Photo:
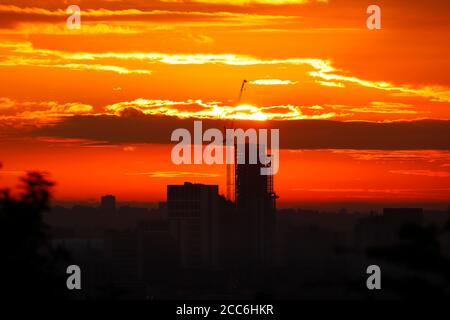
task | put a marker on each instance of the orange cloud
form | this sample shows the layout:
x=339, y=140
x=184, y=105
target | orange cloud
x=427, y=173
x=272, y=82
x=128, y=20
x=174, y=174
x=386, y=108
x=18, y=113
x=438, y=94
x=212, y=110
x=397, y=155
x=249, y=2
x=23, y=53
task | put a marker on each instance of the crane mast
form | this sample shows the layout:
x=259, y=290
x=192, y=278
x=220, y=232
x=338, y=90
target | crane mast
x=230, y=174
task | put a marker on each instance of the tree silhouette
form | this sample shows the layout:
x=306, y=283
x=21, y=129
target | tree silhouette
x=30, y=267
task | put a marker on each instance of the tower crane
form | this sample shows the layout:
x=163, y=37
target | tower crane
x=230, y=175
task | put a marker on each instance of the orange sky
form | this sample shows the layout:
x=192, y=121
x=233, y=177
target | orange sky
x=305, y=60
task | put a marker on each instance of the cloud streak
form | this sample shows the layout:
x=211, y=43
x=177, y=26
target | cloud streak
x=23, y=53
x=174, y=174
x=397, y=155
x=19, y=113
x=210, y=110
x=272, y=82
x=425, y=173
x=12, y=17
x=294, y=134
x=250, y=2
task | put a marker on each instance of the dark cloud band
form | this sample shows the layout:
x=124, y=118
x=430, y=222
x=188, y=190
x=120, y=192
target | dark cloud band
x=296, y=134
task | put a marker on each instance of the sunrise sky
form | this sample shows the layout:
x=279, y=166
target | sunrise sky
x=364, y=114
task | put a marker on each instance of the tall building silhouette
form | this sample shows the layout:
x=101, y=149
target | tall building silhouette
x=256, y=204
x=193, y=213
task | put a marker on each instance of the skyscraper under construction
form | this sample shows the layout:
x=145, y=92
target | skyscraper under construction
x=256, y=204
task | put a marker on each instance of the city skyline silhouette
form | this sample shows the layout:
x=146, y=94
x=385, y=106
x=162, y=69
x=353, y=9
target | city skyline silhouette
x=115, y=156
